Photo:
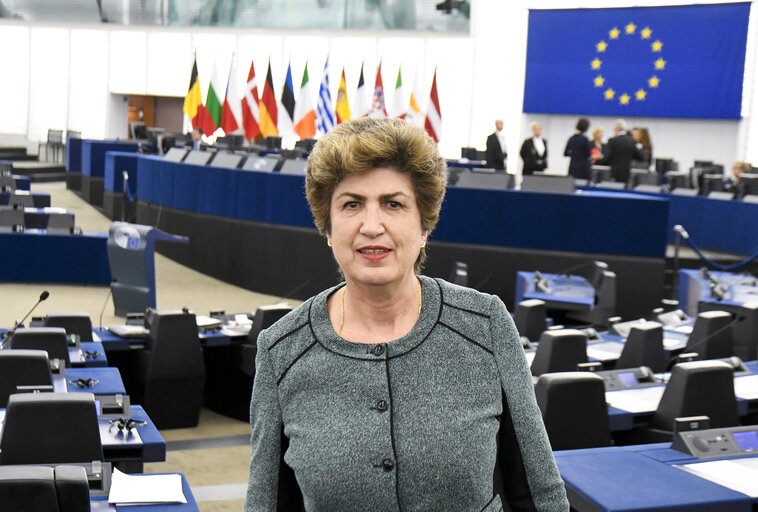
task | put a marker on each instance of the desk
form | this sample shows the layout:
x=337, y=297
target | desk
x=569, y=293
x=109, y=381
x=694, y=289
x=38, y=218
x=100, y=503
x=114, y=343
x=39, y=199
x=93, y=166
x=22, y=182
x=641, y=478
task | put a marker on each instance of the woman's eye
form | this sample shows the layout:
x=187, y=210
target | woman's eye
x=394, y=205
x=351, y=205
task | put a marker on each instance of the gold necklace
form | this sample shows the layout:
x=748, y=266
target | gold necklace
x=342, y=307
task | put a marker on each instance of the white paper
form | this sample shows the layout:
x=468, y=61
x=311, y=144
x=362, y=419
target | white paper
x=673, y=343
x=746, y=387
x=95, y=337
x=740, y=475
x=530, y=357
x=606, y=351
x=145, y=489
x=635, y=400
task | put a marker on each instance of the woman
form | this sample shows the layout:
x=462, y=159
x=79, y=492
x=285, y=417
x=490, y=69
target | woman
x=645, y=147
x=578, y=148
x=598, y=146
x=392, y=391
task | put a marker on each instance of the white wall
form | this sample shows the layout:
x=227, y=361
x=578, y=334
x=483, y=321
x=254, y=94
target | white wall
x=73, y=77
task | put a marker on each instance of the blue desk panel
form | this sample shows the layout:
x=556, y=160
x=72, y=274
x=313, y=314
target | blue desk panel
x=153, y=446
x=22, y=182
x=109, y=381
x=93, y=154
x=599, y=223
x=115, y=163
x=694, y=288
x=629, y=479
x=39, y=199
x=114, y=343
x=571, y=293
x=53, y=258
x=97, y=357
x=74, y=155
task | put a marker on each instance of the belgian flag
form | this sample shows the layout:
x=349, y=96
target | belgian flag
x=194, y=98
x=268, y=108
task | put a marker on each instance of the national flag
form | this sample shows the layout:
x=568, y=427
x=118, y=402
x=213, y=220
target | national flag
x=250, y=111
x=343, y=106
x=399, y=107
x=684, y=61
x=210, y=114
x=361, y=106
x=377, y=101
x=286, y=122
x=415, y=115
x=305, y=116
x=324, y=109
x=231, y=111
x=194, y=97
x=268, y=110
x=433, y=122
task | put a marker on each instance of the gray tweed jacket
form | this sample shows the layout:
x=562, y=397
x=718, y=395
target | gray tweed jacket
x=443, y=418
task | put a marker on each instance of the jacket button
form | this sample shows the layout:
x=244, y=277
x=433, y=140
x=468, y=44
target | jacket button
x=378, y=350
x=387, y=464
x=382, y=405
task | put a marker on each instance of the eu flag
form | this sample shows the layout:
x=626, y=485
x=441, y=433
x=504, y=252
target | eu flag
x=683, y=61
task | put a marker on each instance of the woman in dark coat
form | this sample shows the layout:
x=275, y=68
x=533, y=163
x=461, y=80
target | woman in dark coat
x=578, y=148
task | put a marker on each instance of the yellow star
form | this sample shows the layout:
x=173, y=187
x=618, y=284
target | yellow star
x=660, y=64
x=640, y=95
x=601, y=46
x=654, y=81
x=599, y=81
x=624, y=99
x=630, y=28
x=609, y=94
x=646, y=33
x=656, y=46
x=596, y=63
x=614, y=33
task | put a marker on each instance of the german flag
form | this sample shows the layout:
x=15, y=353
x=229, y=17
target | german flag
x=194, y=98
x=268, y=108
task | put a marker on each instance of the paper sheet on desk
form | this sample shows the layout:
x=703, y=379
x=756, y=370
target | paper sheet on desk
x=746, y=387
x=740, y=475
x=607, y=351
x=635, y=400
x=145, y=489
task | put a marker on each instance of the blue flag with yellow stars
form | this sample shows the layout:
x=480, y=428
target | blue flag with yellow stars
x=683, y=61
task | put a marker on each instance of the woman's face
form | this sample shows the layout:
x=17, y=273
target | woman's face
x=637, y=135
x=599, y=135
x=376, y=227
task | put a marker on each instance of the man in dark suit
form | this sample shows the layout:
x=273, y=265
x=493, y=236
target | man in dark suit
x=619, y=152
x=496, y=152
x=534, y=151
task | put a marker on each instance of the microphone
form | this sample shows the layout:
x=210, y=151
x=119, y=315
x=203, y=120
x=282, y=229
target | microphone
x=42, y=297
x=108, y=296
x=718, y=289
x=541, y=282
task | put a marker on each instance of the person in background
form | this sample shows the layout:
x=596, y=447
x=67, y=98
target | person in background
x=642, y=140
x=740, y=168
x=197, y=138
x=619, y=152
x=578, y=148
x=598, y=146
x=534, y=151
x=496, y=152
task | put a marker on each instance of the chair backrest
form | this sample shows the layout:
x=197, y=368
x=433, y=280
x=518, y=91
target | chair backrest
x=531, y=318
x=711, y=335
x=21, y=200
x=698, y=388
x=55, y=136
x=49, y=428
x=264, y=318
x=745, y=332
x=73, y=488
x=22, y=368
x=52, y=340
x=7, y=183
x=644, y=347
x=174, y=346
x=28, y=488
x=78, y=323
x=10, y=218
x=560, y=351
x=574, y=410
x=60, y=223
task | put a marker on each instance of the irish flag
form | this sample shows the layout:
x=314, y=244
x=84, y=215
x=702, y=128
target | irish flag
x=305, y=115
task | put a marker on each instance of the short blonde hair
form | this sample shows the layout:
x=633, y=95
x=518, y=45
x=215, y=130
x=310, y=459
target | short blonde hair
x=363, y=144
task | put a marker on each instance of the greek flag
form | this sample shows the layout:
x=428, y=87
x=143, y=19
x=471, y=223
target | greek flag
x=324, y=109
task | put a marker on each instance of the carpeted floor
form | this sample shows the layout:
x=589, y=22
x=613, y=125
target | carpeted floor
x=214, y=456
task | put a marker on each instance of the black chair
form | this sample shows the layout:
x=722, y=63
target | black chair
x=52, y=340
x=168, y=376
x=644, y=347
x=459, y=274
x=696, y=388
x=54, y=142
x=50, y=428
x=20, y=201
x=745, y=332
x=559, y=351
x=23, y=368
x=574, y=410
x=73, y=489
x=531, y=318
x=711, y=336
x=28, y=488
x=233, y=369
x=11, y=219
x=74, y=323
